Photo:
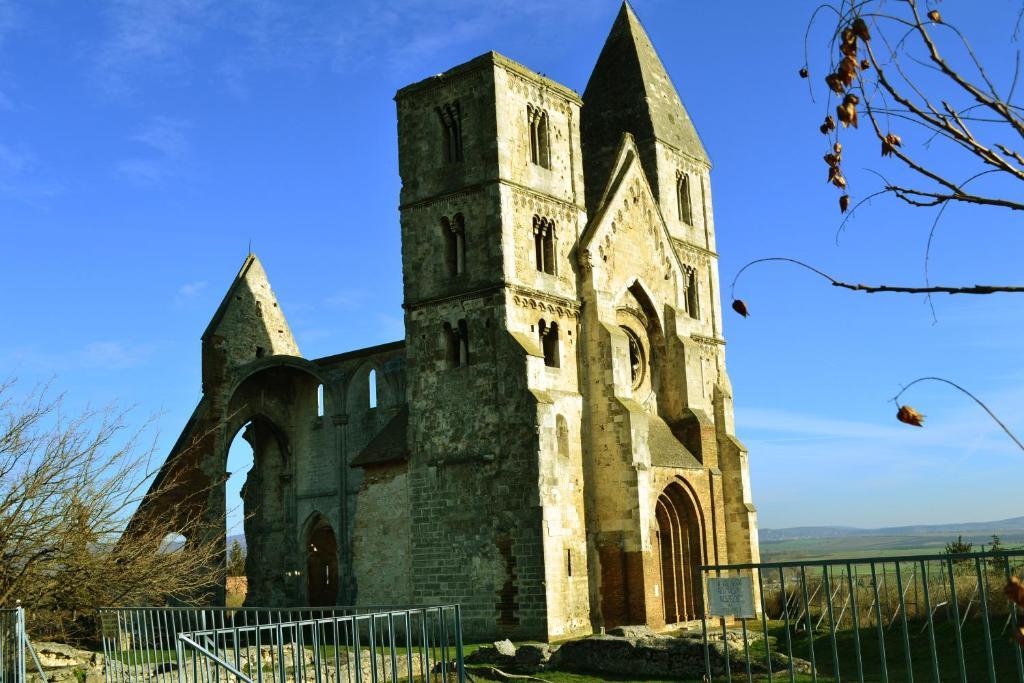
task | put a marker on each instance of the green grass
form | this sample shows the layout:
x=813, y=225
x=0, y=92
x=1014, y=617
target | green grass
x=946, y=652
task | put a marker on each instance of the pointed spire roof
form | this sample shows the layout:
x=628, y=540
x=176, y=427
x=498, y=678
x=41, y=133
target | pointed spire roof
x=630, y=91
x=630, y=73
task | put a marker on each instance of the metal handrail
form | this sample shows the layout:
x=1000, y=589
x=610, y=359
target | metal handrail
x=183, y=638
x=215, y=644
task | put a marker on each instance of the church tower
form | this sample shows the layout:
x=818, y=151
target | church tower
x=492, y=205
x=667, y=480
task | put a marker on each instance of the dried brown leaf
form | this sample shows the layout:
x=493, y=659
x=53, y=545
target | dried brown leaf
x=844, y=203
x=860, y=29
x=908, y=415
x=740, y=307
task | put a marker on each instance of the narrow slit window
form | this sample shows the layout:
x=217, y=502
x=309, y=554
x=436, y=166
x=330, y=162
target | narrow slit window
x=453, y=232
x=320, y=401
x=692, y=294
x=372, y=388
x=463, y=343
x=451, y=346
x=683, y=198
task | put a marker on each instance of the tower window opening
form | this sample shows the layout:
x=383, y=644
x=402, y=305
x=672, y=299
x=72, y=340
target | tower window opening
x=683, y=198
x=456, y=344
x=539, y=147
x=454, y=233
x=549, y=343
x=692, y=294
x=562, y=436
x=451, y=127
x=260, y=352
x=636, y=358
x=320, y=401
x=544, y=244
x=568, y=562
x=372, y=388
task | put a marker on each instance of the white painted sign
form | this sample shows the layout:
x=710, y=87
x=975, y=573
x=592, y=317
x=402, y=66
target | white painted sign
x=731, y=596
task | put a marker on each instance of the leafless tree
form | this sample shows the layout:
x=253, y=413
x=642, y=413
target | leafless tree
x=952, y=134
x=68, y=487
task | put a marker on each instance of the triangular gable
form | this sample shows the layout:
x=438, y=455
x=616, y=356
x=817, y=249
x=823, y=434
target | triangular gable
x=235, y=284
x=250, y=307
x=626, y=168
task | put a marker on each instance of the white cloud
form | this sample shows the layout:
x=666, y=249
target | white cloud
x=145, y=33
x=114, y=355
x=140, y=171
x=347, y=299
x=191, y=289
x=167, y=140
x=165, y=135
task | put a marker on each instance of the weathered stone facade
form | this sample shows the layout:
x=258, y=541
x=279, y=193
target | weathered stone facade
x=552, y=445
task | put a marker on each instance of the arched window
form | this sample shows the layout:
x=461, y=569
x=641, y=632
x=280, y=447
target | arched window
x=692, y=294
x=320, y=401
x=544, y=244
x=372, y=381
x=562, y=435
x=456, y=341
x=453, y=231
x=539, y=147
x=683, y=198
x=549, y=343
x=451, y=126
x=637, y=362
x=463, y=343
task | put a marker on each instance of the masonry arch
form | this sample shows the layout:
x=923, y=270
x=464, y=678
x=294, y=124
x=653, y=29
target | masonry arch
x=321, y=562
x=258, y=466
x=368, y=387
x=638, y=317
x=679, y=550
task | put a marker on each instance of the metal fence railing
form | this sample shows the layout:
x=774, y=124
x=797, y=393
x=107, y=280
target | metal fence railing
x=14, y=644
x=254, y=645
x=919, y=617
x=12, y=652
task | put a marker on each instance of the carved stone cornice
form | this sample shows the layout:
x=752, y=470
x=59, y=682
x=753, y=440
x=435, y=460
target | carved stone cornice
x=693, y=248
x=710, y=341
x=527, y=297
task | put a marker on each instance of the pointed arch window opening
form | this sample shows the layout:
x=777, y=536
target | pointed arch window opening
x=372, y=388
x=549, y=343
x=637, y=358
x=450, y=115
x=544, y=244
x=320, y=401
x=683, y=198
x=539, y=145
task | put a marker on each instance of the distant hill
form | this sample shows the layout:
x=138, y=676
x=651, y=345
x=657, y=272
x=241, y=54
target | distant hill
x=1012, y=525
x=815, y=542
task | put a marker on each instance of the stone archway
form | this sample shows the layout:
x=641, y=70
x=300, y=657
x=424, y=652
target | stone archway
x=680, y=554
x=321, y=564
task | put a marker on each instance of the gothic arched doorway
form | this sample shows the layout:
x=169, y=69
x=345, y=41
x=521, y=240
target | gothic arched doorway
x=680, y=543
x=322, y=564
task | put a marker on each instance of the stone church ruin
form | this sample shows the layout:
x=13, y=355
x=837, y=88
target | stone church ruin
x=552, y=444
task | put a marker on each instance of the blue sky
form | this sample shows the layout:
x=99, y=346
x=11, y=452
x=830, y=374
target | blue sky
x=144, y=144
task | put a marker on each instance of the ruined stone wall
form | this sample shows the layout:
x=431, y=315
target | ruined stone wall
x=381, y=543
